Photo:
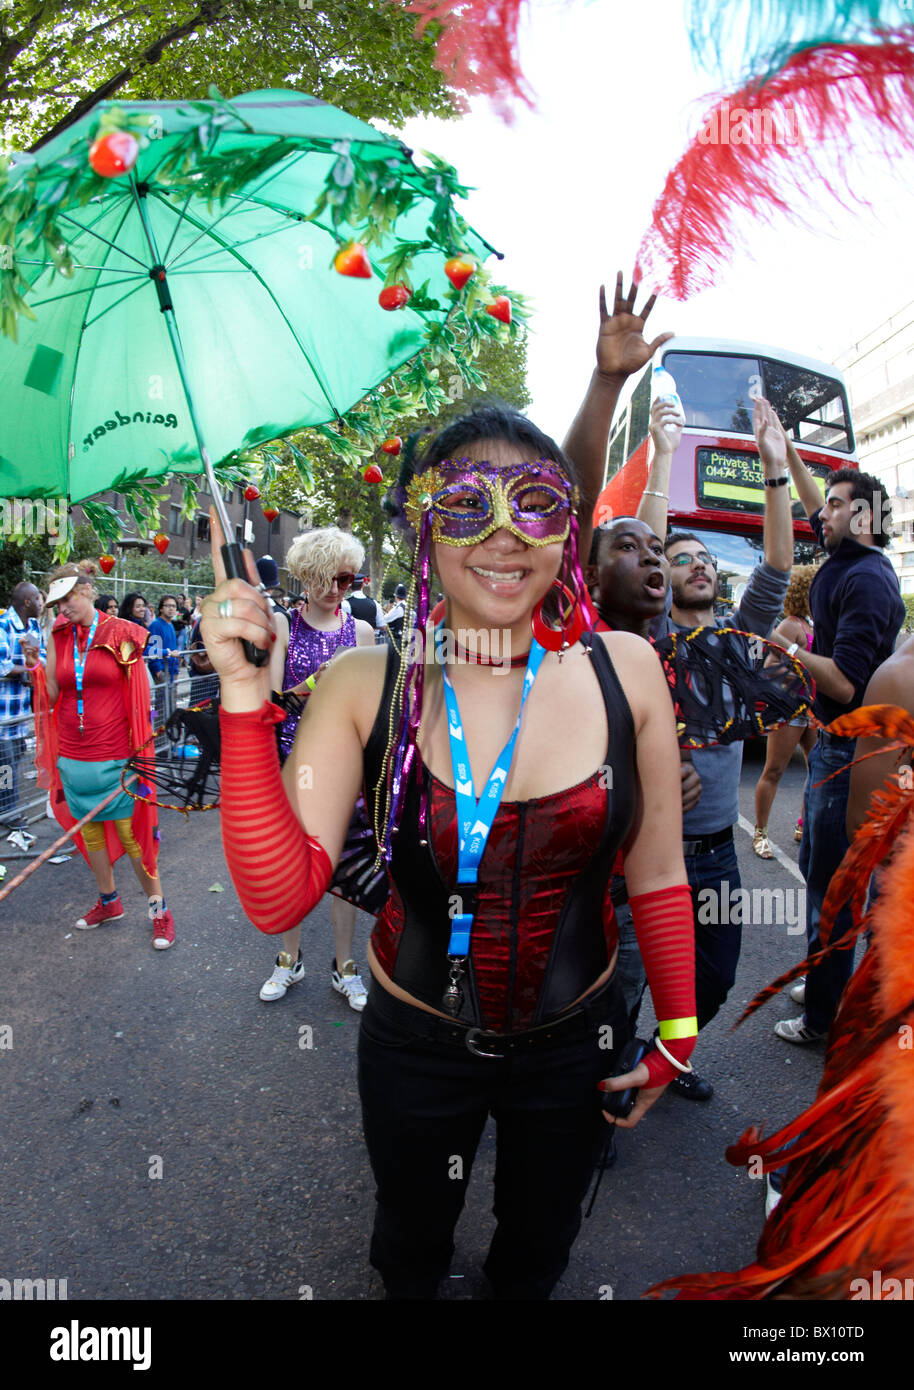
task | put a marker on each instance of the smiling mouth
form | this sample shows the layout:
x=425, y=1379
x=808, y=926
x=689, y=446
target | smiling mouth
x=500, y=576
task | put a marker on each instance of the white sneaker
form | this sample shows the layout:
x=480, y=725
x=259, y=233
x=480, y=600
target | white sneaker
x=797, y=992
x=21, y=839
x=773, y=1183
x=795, y=1030
x=283, y=976
x=348, y=981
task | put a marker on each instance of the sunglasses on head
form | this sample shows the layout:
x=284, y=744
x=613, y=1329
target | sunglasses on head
x=684, y=558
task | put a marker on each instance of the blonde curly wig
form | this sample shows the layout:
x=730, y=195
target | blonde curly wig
x=796, y=600
x=317, y=557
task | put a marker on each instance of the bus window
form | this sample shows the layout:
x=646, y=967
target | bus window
x=617, y=451
x=716, y=391
x=640, y=413
x=737, y=556
x=811, y=407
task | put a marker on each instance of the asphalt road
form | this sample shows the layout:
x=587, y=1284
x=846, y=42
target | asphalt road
x=166, y=1136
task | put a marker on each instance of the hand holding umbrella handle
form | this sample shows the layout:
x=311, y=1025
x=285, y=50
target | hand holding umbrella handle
x=233, y=559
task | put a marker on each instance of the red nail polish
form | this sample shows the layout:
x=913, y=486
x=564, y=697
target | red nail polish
x=272, y=636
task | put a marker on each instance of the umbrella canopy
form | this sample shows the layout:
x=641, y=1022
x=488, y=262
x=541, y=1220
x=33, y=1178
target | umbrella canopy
x=232, y=216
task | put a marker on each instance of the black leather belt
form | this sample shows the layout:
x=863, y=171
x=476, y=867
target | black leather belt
x=483, y=1042
x=708, y=842
x=835, y=739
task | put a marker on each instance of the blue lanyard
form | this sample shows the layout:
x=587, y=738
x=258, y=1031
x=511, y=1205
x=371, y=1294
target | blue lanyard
x=79, y=664
x=475, y=820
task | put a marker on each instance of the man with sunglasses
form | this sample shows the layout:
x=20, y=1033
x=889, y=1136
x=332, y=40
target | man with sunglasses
x=708, y=846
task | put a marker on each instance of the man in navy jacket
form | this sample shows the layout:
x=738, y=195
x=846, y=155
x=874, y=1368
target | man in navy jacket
x=857, y=612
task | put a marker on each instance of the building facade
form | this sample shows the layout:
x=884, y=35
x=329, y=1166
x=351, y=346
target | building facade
x=879, y=370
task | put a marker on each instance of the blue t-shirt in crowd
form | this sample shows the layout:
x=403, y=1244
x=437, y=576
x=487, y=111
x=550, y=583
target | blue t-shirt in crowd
x=162, y=639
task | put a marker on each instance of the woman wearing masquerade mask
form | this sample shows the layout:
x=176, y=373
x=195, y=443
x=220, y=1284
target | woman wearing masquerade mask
x=500, y=792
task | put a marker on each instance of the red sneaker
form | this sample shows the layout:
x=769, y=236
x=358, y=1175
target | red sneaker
x=163, y=931
x=101, y=912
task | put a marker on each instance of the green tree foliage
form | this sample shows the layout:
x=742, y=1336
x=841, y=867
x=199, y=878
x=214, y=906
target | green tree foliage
x=18, y=560
x=340, y=489
x=58, y=57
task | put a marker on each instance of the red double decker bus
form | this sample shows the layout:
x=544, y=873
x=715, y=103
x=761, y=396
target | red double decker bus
x=716, y=488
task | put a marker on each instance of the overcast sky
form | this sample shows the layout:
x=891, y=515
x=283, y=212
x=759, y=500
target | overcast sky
x=566, y=193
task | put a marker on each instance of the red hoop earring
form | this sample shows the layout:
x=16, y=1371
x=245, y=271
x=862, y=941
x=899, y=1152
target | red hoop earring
x=558, y=639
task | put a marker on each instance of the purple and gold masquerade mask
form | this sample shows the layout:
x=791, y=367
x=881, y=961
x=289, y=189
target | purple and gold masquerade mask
x=470, y=500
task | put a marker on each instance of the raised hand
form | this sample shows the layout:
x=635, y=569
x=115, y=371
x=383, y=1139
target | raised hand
x=621, y=346
x=666, y=426
x=770, y=437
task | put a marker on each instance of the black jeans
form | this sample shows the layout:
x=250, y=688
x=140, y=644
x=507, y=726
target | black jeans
x=424, y=1106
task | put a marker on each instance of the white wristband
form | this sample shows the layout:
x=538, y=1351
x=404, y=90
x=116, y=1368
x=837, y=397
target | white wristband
x=680, y=1066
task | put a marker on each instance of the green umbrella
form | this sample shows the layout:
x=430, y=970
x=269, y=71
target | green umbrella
x=190, y=310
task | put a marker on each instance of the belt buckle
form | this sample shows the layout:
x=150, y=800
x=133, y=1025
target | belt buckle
x=472, y=1046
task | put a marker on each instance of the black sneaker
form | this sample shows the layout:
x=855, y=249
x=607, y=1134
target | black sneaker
x=693, y=1086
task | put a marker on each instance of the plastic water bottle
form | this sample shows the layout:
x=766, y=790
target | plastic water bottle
x=663, y=388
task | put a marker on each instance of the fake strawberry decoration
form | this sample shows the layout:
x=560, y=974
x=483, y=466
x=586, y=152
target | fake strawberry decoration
x=114, y=154
x=392, y=445
x=271, y=513
x=106, y=563
x=458, y=270
x=373, y=474
x=251, y=493
x=353, y=260
x=395, y=297
x=161, y=542
x=500, y=309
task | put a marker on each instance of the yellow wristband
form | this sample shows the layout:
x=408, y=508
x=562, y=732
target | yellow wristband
x=310, y=682
x=678, y=1028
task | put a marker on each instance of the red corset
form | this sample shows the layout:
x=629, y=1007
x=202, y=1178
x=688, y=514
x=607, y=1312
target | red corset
x=534, y=853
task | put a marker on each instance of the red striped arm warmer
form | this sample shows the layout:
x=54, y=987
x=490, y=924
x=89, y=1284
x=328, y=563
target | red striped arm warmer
x=279, y=872
x=665, y=929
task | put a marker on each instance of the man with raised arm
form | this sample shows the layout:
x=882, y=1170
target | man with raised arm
x=710, y=854
x=857, y=612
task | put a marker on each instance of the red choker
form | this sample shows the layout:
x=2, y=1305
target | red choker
x=479, y=659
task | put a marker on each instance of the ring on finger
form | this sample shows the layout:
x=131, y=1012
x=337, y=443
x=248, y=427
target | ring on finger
x=225, y=608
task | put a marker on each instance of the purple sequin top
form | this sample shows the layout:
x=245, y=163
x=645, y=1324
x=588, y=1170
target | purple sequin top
x=309, y=648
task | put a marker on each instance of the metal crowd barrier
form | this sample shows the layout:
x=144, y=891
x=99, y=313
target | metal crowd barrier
x=23, y=801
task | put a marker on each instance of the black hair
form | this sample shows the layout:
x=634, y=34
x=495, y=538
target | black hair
x=103, y=600
x=866, y=488
x=164, y=599
x=675, y=537
x=126, y=608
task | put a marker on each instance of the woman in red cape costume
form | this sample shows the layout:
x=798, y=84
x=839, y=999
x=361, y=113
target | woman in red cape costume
x=125, y=641
x=844, y=1228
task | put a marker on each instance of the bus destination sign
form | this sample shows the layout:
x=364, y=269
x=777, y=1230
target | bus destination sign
x=730, y=480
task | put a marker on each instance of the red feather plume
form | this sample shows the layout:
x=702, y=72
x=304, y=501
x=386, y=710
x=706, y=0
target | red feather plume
x=478, y=46
x=801, y=124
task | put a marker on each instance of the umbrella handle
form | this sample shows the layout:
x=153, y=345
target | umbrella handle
x=233, y=559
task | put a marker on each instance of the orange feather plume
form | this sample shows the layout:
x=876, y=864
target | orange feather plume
x=847, y=1209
